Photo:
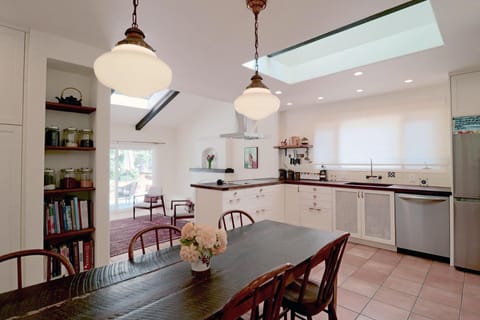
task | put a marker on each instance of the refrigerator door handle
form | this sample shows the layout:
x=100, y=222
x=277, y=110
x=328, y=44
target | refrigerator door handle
x=426, y=198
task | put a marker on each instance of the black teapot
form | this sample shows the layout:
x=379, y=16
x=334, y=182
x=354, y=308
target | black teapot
x=70, y=99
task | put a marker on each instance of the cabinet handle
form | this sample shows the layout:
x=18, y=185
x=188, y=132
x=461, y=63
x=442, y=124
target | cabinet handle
x=230, y=201
x=315, y=209
x=260, y=190
x=314, y=196
x=235, y=193
x=314, y=204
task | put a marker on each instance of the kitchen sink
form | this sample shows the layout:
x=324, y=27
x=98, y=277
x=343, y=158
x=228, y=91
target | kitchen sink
x=371, y=184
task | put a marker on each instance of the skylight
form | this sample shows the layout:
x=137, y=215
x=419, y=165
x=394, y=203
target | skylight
x=118, y=99
x=399, y=31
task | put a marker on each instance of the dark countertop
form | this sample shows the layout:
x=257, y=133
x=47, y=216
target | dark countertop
x=399, y=188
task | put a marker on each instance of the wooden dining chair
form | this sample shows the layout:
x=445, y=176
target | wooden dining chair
x=50, y=255
x=308, y=298
x=261, y=298
x=182, y=209
x=172, y=231
x=234, y=219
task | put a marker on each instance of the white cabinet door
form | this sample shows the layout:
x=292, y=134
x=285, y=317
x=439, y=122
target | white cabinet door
x=378, y=216
x=12, y=55
x=347, y=212
x=316, y=207
x=465, y=94
x=292, y=203
x=10, y=197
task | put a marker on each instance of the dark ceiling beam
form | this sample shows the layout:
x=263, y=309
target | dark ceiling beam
x=156, y=109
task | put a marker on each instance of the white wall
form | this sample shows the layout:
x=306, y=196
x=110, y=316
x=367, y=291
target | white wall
x=304, y=122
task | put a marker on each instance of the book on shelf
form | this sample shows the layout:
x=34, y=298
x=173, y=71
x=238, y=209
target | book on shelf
x=80, y=254
x=69, y=214
x=84, y=214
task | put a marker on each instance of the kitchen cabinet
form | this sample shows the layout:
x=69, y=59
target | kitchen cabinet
x=12, y=55
x=10, y=197
x=260, y=202
x=316, y=207
x=292, y=203
x=264, y=203
x=309, y=206
x=465, y=94
x=366, y=214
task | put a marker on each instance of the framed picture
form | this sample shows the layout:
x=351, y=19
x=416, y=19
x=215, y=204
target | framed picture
x=250, y=158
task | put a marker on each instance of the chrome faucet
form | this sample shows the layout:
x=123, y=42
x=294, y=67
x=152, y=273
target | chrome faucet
x=371, y=176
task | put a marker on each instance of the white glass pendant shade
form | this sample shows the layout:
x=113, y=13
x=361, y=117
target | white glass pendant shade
x=132, y=70
x=257, y=103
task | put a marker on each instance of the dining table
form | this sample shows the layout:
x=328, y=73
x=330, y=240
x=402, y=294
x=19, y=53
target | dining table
x=159, y=285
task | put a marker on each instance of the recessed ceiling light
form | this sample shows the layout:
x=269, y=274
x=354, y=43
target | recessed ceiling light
x=358, y=73
x=278, y=92
x=359, y=90
x=408, y=81
x=289, y=103
x=320, y=98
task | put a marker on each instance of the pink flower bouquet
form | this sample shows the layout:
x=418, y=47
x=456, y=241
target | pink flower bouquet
x=201, y=242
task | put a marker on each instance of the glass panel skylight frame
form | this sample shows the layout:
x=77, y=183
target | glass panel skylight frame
x=399, y=31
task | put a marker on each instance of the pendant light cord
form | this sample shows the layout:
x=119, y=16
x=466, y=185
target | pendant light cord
x=134, y=14
x=256, y=43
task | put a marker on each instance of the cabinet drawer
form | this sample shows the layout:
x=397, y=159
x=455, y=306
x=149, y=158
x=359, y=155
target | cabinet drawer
x=315, y=189
x=319, y=218
x=318, y=198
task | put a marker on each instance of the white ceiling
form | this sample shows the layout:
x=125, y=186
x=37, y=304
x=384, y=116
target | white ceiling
x=205, y=42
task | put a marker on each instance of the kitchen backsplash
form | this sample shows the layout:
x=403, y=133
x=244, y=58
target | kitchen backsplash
x=419, y=177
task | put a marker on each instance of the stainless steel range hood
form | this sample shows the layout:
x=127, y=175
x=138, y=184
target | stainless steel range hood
x=246, y=129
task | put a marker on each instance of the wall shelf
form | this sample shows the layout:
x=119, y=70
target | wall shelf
x=60, y=148
x=302, y=146
x=64, y=191
x=69, y=234
x=68, y=107
x=213, y=170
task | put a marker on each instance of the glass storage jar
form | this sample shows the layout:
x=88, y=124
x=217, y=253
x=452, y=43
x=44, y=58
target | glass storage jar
x=70, y=137
x=85, y=177
x=49, y=179
x=85, y=138
x=52, y=136
x=67, y=179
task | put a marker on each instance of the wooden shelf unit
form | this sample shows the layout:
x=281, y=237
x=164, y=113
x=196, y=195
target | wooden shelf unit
x=60, y=148
x=301, y=146
x=70, y=238
x=49, y=105
x=60, y=237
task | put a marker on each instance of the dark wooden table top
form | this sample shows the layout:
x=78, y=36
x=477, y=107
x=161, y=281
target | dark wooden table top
x=160, y=286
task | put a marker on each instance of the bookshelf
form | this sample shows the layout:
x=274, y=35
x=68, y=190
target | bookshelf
x=69, y=221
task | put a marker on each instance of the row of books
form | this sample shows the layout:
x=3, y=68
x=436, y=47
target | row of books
x=69, y=214
x=80, y=253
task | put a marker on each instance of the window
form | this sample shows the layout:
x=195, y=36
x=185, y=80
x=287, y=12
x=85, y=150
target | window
x=130, y=174
x=395, y=136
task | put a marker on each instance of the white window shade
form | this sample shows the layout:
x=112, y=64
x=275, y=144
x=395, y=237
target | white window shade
x=408, y=133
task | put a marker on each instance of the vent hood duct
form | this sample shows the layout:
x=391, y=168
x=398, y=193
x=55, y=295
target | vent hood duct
x=243, y=131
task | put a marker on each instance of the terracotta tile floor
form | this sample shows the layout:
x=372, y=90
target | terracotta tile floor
x=383, y=285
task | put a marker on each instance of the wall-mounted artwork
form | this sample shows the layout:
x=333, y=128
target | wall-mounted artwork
x=250, y=158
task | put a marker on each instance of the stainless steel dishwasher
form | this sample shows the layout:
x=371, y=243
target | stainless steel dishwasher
x=423, y=224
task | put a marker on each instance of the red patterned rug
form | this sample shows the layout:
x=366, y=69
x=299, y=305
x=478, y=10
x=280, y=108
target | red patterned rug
x=121, y=231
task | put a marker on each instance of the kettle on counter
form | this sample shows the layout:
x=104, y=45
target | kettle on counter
x=323, y=173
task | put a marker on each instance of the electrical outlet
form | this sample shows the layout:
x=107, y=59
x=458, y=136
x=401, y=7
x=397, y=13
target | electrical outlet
x=391, y=174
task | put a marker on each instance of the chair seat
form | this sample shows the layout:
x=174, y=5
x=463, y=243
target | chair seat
x=145, y=205
x=308, y=306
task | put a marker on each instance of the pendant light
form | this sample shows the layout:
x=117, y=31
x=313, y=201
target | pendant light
x=257, y=102
x=132, y=67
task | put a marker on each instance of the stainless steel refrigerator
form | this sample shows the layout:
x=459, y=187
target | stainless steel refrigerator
x=466, y=191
